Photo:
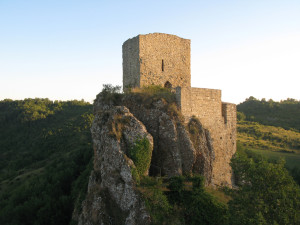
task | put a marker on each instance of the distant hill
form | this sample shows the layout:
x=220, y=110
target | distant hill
x=45, y=160
x=271, y=129
x=285, y=114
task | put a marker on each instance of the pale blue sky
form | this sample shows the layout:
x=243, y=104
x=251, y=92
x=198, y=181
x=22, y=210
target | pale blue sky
x=63, y=49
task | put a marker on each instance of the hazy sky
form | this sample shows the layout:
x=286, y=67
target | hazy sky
x=66, y=49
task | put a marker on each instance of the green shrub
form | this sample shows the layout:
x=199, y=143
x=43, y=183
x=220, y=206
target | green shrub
x=156, y=201
x=135, y=175
x=176, y=183
x=141, y=153
x=111, y=94
x=149, y=94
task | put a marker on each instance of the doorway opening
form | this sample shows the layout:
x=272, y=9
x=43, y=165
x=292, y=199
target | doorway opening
x=168, y=85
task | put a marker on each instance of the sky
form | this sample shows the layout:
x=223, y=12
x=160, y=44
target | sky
x=67, y=49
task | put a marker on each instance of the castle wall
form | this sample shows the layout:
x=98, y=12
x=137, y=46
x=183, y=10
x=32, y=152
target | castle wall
x=203, y=103
x=131, y=65
x=219, y=118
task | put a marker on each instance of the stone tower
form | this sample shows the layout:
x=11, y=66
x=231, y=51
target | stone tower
x=156, y=59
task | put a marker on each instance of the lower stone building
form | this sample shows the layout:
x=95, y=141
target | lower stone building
x=219, y=118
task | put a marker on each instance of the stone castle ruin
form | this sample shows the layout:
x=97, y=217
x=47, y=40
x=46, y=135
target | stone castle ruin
x=176, y=145
x=164, y=59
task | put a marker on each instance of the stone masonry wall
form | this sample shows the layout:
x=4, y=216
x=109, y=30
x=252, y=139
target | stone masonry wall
x=155, y=59
x=131, y=65
x=204, y=103
x=219, y=118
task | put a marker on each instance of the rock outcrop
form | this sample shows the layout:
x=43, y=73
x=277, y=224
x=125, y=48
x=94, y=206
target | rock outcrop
x=178, y=149
x=112, y=197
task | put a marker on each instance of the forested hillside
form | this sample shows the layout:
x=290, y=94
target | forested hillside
x=45, y=159
x=285, y=114
x=271, y=129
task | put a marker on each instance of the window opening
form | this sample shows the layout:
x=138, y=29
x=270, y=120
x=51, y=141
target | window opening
x=162, y=65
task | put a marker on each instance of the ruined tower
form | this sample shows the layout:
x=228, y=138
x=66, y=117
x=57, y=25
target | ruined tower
x=156, y=59
x=164, y=59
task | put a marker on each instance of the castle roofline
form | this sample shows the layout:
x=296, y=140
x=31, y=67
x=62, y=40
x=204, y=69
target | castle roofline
x=156, y=34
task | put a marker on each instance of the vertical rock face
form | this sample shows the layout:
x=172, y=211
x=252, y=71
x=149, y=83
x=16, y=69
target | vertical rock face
x=176, y=150
x=205, y=155
x=112, y=197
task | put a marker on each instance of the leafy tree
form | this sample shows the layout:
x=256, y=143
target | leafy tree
x=266, y=193
x=197, y=206
x=282, y=114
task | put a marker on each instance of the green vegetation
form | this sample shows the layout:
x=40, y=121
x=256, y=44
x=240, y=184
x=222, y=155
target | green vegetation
x=255, y=135
x=152, y=190
x=45, y=160
x=181, y=200
x=283, y=114
x=266, y=193
x=152, y=93
x=141, y=153
x=110, y=94
x=273, y=142
x=292, y=159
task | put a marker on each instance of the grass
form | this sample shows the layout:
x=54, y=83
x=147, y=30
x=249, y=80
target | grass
x=218, y=194
x=256, y=136
x=292, y=159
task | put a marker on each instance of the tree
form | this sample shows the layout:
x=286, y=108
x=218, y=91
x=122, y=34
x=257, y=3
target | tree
x=266, y=193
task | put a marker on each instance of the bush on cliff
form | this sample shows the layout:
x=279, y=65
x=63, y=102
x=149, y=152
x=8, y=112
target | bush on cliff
x=141, y=153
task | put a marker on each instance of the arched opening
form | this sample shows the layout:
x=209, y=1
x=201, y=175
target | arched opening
x=168, y=85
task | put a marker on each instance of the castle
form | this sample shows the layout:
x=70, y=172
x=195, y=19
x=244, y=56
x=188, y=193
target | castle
x=164, y=59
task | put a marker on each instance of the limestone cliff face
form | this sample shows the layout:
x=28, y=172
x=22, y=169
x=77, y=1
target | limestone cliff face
x=176, y=150
x=112, y=197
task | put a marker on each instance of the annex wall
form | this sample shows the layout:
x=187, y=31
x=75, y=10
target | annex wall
x=219, y=118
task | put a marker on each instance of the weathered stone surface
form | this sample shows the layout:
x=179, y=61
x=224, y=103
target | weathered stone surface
x=112, y=197
x=174, y=152
x=205, y=155
x=161, y=59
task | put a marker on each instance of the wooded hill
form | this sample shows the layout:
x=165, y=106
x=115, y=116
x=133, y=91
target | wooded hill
x=285, y=114
x=46, y=158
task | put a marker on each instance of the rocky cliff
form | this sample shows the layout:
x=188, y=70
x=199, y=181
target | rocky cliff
x=112, y=197
x=175, y=148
